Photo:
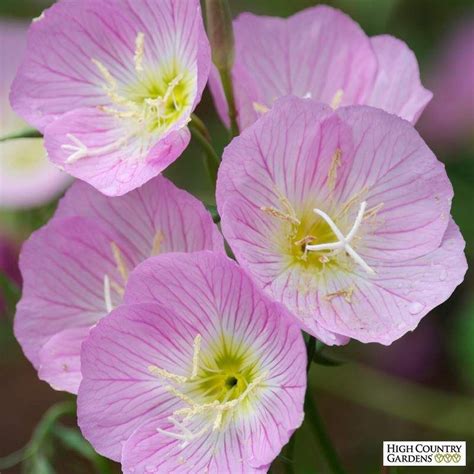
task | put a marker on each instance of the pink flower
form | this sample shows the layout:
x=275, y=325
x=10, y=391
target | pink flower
x=449, y=119
x=76, y=267
x=205, y=375
x=322, y=54
x=112, y=84
x=26, y=177
x=343, y=216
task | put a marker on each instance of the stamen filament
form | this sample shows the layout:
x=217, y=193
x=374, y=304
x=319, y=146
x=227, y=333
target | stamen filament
x=107, y=295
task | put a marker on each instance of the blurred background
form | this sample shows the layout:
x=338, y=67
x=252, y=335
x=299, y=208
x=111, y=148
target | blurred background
x=419, y=388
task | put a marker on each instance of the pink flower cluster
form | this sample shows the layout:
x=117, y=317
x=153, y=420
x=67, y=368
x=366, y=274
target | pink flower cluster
x=337, y=212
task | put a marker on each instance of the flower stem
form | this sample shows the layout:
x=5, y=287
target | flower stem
x=290, y=454
x=310, y=351
x=321, y=434
x=201, y=135
x=226, y=79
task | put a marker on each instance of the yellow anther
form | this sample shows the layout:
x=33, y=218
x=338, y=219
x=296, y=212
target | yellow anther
x=119, y=261
x=346, y=294
x=180, y=395
x=332, y=173
x=337, y=99
x=109, y=79
x=197, y=349
x=157, y=241
x=159, y=372
x=139, y=51
x=260, y=108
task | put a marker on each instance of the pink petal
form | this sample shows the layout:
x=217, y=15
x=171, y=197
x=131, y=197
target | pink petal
x=60, y=363
x=398, y=169
x=317, y=51
x=285, y=160
x=27, y=179
x=213, y=295
x=118, y=392
x=121, y=167
x=50, y=84
x=63, y=267
x=65, y=264
x=156, y=218
x=397, y=87
x=149, y=451
x=385, y=307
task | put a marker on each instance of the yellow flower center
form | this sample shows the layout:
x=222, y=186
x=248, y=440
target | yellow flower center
x=149, y=105
x=224, y=380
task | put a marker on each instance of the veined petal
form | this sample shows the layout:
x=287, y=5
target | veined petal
x=219, y=301
x=115, y=115
x=75, y=268
x=60, y=359
x=303, y=172
x=118, y=391
x=50, y=84
x=115, y=161
x=63, y=267
x=397, y=87
x=156, y=218
x=384, y=308
x=317, y=53
x=401, y=175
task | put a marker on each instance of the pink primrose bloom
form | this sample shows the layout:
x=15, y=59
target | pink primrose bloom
x=198, y=372
x=27, y=178
x=112, y=84
x=75, y=268
x=319, y=53
x=343, y=216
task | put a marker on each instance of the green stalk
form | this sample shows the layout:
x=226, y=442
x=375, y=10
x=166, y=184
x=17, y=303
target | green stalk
x=319, y=430
x=212, y=159
x=227, y=85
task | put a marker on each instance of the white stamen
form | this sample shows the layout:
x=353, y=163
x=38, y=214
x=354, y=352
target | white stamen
x=107, y=295
x=343, y=242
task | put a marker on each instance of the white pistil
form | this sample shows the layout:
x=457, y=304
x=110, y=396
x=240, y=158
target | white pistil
x=139, y=52
x=337, y=99
x=343, y=242
x=107, y=294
